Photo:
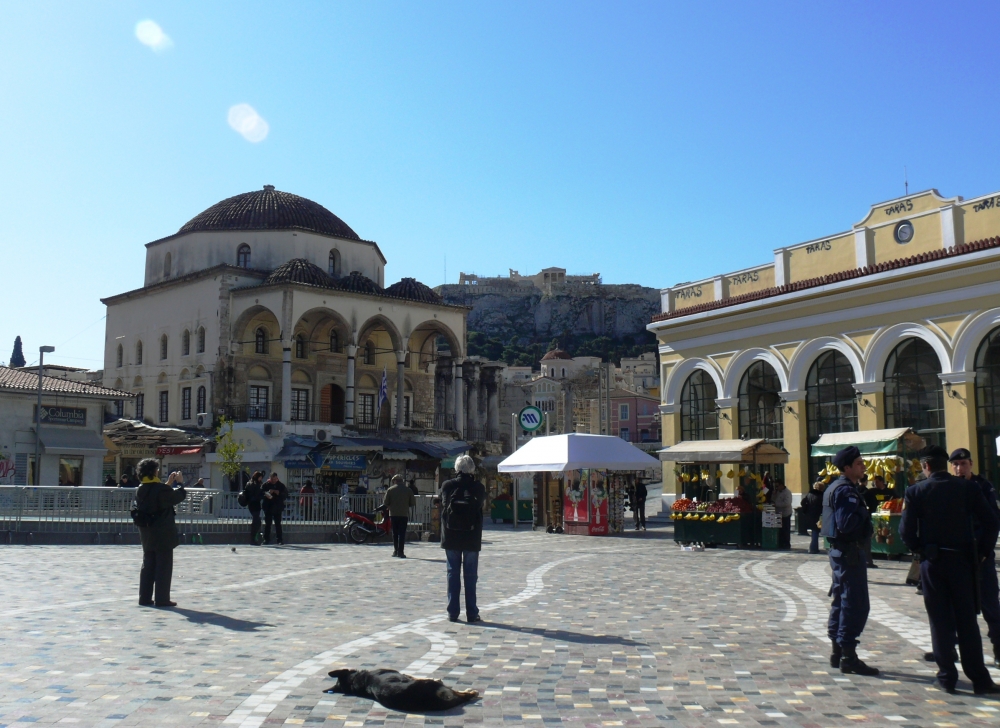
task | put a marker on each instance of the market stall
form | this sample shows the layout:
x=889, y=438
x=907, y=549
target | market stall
x=584, y=480
x=890, y=454
x=734, y=520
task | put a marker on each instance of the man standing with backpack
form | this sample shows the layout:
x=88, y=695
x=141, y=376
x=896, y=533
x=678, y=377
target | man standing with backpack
x=462, y=502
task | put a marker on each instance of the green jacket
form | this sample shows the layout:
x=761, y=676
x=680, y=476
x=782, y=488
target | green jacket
x=399, y=498
x=158, y=497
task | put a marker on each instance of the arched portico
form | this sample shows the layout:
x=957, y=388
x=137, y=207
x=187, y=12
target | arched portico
x=970, y=337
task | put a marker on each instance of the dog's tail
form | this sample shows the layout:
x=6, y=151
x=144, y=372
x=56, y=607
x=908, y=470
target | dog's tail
x=453, y=698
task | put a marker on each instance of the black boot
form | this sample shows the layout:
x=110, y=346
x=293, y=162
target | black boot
x=835, y=654
x=851, y=664
x=996, y=657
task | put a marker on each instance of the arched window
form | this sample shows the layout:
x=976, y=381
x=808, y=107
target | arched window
x=243, y=256
x=260, y=341
x=831, y=403
x=370, y=353
x=333, y=267
x=166, y=265
x=119, y=360
x=186, y=342
x=201, y=400
x=564, y=372
x=914, y=396
x=163, y=347
x=699, y=419
x=138, y=352
x=201, y=340
x=300, y=347
x=988, y=404
x=334, y=343
x=760, y=404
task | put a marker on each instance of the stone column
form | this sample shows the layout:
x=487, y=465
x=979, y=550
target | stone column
x=286, y=381
x=459, y=404
x=728, y=414
x=352, y=351
x=796, y=442
x=400, y=386
x=472, y=406
x=670, y=431
x=493, y=403
x=871, y=405
x=447, y=393
x=960, y=412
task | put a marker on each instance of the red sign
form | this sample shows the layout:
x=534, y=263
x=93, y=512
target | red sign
x=576, y=504
x=598, y=504
x=178, y=450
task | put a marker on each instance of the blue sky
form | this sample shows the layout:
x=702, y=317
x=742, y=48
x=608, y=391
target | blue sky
x=653, y=142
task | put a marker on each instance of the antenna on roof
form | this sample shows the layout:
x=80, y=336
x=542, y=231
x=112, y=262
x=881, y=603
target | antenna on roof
x=906, y=181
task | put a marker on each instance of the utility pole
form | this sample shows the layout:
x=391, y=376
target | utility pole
x=42, y=351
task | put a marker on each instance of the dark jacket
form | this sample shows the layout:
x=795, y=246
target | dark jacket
x=943, y=511
x=640, y=495
x=278, y=491
x=254, y=493
x=157, y=497
x=812, y=506
x=399, y=499
x=990, y=494
x=845, y=516
x=471, y=540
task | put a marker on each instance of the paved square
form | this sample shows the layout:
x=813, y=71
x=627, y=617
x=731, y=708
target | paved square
x=584, y=631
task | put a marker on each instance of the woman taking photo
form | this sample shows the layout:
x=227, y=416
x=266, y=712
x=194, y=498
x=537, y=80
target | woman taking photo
x=155, y=503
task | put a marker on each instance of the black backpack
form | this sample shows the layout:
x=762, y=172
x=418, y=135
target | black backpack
x=462, y=511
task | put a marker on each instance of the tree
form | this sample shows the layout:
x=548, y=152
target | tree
x=17, y=356
x=229, y=451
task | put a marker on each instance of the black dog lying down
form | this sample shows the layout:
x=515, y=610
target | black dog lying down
x=399, y=692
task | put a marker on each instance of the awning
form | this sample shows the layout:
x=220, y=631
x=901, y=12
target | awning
x=725, y=451
x=399, y=455
x=869, y=442
x=72, y=442
x=575, y=451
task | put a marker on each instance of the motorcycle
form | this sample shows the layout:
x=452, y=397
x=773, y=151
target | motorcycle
x=360, y=527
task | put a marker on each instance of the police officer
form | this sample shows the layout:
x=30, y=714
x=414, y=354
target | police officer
x=847, y=524
x=961, y=466
x=939, y=514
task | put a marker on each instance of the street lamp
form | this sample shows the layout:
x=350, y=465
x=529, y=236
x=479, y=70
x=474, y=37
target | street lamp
x=42, y=351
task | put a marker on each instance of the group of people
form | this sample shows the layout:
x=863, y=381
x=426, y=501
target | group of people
x=267, y=496
x=951, y=522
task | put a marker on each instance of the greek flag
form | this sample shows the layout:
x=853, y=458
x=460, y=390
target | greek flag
x=383, y=392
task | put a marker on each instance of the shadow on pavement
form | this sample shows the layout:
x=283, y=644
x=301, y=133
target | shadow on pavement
x=560, y=635
x=220, y=620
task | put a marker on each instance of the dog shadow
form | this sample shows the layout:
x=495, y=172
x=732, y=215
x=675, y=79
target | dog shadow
x=378, y=707
x=220, y=620
x=561, y=635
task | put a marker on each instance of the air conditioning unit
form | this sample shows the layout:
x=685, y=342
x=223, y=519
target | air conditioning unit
x=204, y=420
x=272, y=430
x=321, y=435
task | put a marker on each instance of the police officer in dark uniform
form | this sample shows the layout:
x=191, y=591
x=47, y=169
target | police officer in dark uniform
x=961, y=466
x=847, y=523
x=939, y=517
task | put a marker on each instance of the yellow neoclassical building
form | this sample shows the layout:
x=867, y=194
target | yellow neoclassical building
x=893, y=323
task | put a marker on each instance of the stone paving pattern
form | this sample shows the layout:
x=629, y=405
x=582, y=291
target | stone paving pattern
x=582, y=631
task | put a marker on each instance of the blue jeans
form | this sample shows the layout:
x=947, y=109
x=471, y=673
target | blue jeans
x=814, y=542
x=459, y=563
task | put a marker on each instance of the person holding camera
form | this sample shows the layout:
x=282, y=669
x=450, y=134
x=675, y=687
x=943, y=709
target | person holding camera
x=275, y=493
x=155, y=503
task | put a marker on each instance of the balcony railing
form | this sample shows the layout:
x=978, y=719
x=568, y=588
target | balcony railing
x=252, y=412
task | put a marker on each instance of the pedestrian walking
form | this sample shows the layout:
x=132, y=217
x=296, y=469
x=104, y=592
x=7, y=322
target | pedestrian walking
x=155, y=501
x=782, y=501
x=639, y=505
x=412, y=485
x=273, y=503
x=811, y=510
x=306, y=498
x=399, y=499
x=251, y=497
x=941, y=518
x=961, y=464
x=847, y=524
x=462, y=501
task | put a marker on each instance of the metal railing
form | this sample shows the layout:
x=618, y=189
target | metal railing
x=252, y=412
x=48, y=509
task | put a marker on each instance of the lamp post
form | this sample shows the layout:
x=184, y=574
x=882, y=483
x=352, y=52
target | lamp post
x=42, y=351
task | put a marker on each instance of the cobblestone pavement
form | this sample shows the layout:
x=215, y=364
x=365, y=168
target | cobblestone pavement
x=582, y=631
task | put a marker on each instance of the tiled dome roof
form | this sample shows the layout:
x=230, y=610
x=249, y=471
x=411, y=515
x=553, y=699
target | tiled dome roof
x=299, y=270
x=358, y=283
x=556, y=354
x=414, y=290
x=269, y=209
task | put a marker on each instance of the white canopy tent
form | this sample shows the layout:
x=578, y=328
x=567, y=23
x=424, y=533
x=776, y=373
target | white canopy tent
x=575, y=451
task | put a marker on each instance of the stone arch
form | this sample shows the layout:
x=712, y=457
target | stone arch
x=424, y=337
x=317, y=323
x=119, y=385
x=886, y=340
x=301, y=376
x=683, y=370
x=970, y=337
x=162, y=378
x=805, y=355
x=741, y=362
x=185, y=374
x=379, y=321
x=137, y=382
x=199, y=371
x=259, y=373
x=246, y=322
x=367, y=381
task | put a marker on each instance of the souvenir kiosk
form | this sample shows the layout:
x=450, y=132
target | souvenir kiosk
x=732, y=520
x=583, y=480
x=889, y=453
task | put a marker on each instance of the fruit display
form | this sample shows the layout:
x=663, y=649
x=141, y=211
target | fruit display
x=682, y=504
x=894, y=505
x=730, y=505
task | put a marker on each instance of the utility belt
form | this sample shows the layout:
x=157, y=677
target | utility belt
x=850, y=550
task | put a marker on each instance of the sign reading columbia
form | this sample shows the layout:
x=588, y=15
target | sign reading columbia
x=53, y=415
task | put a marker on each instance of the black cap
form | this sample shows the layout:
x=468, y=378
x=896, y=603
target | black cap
x=933, y=452
x=960, y=454
x=846, y=457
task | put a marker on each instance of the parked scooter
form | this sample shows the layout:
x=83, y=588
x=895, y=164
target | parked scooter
x=360, y=527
